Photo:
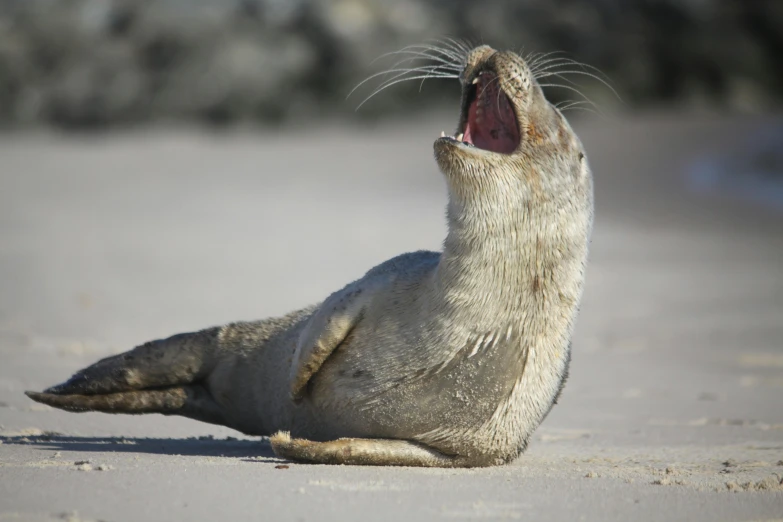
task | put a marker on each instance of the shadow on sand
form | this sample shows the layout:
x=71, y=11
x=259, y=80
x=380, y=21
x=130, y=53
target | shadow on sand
x=258, y=450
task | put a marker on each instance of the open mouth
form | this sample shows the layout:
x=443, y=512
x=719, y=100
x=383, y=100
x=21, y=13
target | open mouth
x=488, y=120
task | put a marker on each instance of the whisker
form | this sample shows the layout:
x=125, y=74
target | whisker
x=561, y=61
x=538, y=55
x=544, y=58
x=428, y=74
x=557, y=74
x=530, y=58
x=449, y=42
x=390, y=83
x=461, y=47
x=431, y=52
x=442, y=66
x=453, y=56
x=401, y=72
x=447, y=45
x=585, y=109
x=576, y=85
x=442, y=59
x=584, y=73
x=439, y=75
x=545, y=65
x=567, y=104
x=568, y=87
x=415, y=55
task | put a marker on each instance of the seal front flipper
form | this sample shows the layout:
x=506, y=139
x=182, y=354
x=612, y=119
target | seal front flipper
x=364, y=452
x=326, y=329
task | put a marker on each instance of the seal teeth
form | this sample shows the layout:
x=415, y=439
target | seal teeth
x=460, y=136
x=475, y=80
x=442, y=134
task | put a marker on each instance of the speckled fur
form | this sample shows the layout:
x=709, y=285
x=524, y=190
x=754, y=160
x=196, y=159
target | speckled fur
x=430, y=359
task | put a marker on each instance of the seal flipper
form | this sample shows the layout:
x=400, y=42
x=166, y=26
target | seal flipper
x=193, y=401
x=327, y=329
x=364, y=452
x=163, y=376
x=179, y=359
x=173, y=376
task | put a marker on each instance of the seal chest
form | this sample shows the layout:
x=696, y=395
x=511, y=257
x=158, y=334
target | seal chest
x=447, y=358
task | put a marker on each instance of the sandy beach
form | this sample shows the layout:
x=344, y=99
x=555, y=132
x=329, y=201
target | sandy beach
x=674, y=407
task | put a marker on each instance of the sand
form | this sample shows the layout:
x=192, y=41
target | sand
x=674, y=408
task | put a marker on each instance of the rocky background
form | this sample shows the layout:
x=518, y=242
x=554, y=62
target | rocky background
x=95, y=63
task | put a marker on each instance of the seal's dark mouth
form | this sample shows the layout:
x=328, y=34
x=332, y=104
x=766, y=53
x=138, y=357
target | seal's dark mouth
x=487, y=120
x=490, y=122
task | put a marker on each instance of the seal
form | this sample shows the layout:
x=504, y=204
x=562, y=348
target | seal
x=447, y=359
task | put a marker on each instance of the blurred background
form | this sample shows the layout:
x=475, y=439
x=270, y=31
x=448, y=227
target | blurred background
x=98, y=63
x=167, y=165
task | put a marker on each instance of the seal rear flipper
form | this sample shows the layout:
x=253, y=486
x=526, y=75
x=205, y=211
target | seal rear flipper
x=178, y=360
x=181, y=359
x=193, y=401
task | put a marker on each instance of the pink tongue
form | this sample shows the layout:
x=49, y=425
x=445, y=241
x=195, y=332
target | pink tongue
x=491, y=122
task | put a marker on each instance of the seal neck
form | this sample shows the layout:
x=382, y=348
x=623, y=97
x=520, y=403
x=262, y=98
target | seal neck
x=502, y=260
x=484, y=251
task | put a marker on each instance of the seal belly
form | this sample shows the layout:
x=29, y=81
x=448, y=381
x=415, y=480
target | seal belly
x=398, y=400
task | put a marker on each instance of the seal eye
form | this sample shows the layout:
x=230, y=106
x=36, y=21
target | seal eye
x=490, y=123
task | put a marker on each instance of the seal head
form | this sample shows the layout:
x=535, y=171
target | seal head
x=507, y=129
